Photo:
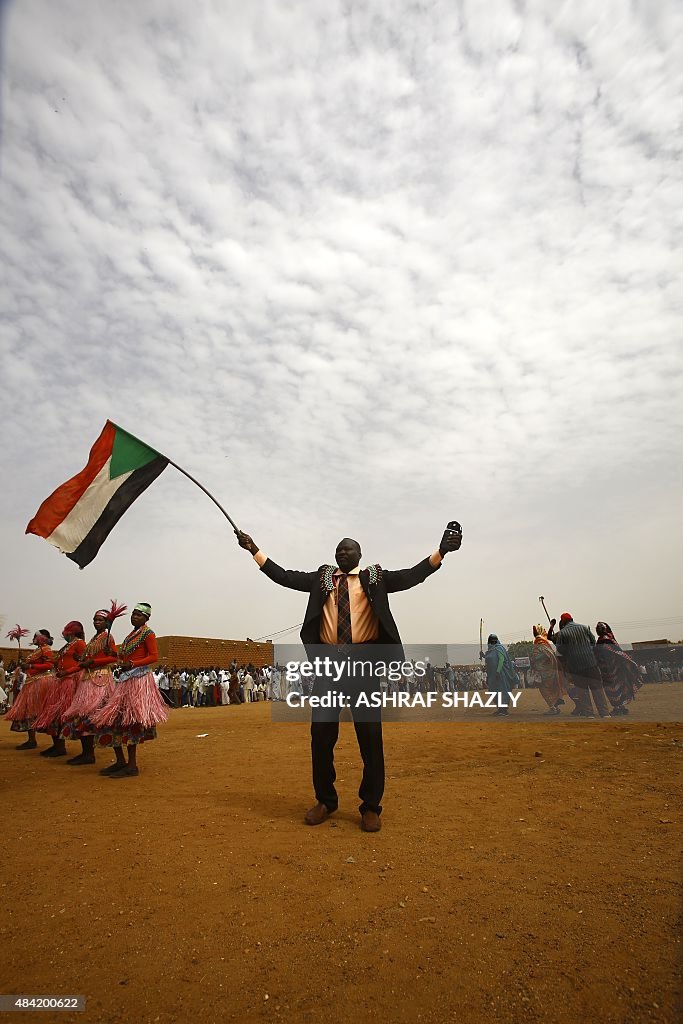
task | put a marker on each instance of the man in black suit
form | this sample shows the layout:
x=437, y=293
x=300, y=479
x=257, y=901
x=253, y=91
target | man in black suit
x=349, y=606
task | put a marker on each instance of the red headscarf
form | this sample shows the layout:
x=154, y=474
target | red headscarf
x=74, y=628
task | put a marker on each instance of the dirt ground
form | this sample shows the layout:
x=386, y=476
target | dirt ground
x=525, y=872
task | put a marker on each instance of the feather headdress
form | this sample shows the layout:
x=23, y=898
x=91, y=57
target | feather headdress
x=115, y=612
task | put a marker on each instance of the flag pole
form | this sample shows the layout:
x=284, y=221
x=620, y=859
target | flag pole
x=202, y=488
x=184, y=472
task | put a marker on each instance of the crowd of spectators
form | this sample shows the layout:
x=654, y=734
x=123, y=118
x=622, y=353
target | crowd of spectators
x=661, y=671
x=214, y=686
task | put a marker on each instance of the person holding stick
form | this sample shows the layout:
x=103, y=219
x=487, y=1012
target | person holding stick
x=501, y=675
x=347, y=611
x=575, y=644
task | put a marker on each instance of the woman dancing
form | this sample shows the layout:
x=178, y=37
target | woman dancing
x=621, y=676
x=95, y=686
x=39, y=666
x=544, y=662
x=135, y=707
x=60, y=695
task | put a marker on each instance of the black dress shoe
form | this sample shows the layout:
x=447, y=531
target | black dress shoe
x=28, y=745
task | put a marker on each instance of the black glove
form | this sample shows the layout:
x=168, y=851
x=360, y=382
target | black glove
x=245, y=541
x=451, y=540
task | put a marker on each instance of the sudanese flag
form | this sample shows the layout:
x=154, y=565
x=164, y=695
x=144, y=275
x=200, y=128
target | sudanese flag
x=79, y=516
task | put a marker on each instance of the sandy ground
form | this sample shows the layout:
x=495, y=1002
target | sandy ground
x=525, y=872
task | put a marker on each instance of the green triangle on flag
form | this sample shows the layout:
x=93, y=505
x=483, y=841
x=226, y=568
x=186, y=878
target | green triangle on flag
x=128, y=454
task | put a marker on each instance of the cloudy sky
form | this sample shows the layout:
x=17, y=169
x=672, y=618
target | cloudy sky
x=361, y=267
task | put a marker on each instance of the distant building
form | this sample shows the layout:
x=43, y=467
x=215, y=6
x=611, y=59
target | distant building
x=664, y=651
x=202, y=652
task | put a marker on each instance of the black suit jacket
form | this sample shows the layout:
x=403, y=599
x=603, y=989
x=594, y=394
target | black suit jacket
x=385, y=582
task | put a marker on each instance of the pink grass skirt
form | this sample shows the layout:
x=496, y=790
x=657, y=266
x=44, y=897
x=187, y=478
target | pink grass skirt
x=31, y=697
x=93, y=691
x=58, y=700
x=29, y=702
x=134, y=701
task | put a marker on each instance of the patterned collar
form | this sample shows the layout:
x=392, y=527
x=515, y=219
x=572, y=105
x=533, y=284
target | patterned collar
x=134, y=639
x=370, y=576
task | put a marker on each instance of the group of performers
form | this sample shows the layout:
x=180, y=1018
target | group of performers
x=607, y=674
x=73, y=694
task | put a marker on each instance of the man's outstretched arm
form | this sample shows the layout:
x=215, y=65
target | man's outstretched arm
x=290, y=578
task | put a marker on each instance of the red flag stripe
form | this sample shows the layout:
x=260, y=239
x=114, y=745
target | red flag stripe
x=57, y=507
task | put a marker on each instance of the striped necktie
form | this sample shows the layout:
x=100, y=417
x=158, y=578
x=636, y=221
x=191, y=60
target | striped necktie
x=343, y=612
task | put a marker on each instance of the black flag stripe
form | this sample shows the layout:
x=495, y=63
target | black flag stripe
x=120, y=502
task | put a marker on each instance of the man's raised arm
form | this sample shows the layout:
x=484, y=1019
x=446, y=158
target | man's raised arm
x=290, y=578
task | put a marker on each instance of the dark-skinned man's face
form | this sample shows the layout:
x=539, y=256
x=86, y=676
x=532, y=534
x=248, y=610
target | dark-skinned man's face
x=347, y=554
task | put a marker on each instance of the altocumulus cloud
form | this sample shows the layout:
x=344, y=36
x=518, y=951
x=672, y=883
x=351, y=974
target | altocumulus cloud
x=362, y=267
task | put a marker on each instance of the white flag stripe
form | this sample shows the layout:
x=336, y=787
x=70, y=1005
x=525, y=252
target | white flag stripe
x=87, y=510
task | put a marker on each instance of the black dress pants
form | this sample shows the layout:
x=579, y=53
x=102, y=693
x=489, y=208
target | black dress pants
x=323, y=739
x=367, y=723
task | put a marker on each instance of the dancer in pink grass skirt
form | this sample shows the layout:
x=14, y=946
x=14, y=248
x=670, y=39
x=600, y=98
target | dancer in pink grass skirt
x=95, y=687
x=39, y=665
x=60, y=695
x=134, y=709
